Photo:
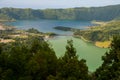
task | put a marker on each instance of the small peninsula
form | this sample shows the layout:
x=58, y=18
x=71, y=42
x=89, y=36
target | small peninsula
x=62, y=28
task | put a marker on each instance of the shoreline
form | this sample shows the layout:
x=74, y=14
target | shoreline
x=100, y=44
x=98, y=23
x=47, y=36
x=81, y=37
x=105, y=44
x=1, y=21
x=18, y=33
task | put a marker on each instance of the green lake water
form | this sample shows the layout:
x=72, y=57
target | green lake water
x=85, y=50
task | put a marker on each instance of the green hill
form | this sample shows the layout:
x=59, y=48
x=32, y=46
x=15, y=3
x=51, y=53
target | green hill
x=102, y=32
x=83, y=13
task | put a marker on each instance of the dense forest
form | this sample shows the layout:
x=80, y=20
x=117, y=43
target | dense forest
x=83, y=13
x=34, y=59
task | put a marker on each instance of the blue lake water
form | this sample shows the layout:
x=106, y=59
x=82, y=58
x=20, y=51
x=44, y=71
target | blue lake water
x=85, y=50
x=47, y=25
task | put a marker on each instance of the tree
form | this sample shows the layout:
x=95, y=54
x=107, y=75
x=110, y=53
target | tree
x=30, y=59
x=70, y=68
x=110, y=69
x=70, y=50
x=0, y=48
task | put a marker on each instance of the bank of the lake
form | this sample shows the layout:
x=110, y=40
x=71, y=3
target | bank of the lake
x=104, y=44
x=100, y=44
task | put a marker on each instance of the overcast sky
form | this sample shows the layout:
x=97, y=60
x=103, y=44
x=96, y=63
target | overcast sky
x=42, y=4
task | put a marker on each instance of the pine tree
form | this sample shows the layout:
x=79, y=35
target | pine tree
x=70, y=68
x=110, y=69
x=70, y=51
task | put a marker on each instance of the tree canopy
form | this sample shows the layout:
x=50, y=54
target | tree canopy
x=34, y=59
x=110, y=69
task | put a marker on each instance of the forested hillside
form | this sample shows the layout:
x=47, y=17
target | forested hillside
x=83, y=13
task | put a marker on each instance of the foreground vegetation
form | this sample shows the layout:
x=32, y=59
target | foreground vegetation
x=93, y=13
x=34, y=59
x=110, y=69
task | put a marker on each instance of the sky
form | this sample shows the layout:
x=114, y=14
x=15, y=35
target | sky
x=42, y=4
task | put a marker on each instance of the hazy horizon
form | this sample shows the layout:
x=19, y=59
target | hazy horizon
x=39, y=4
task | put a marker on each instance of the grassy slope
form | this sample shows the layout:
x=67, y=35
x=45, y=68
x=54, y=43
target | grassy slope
x=101, y=34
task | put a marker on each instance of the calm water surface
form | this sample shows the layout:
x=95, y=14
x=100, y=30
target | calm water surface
x=85, y=50
x=47, y=25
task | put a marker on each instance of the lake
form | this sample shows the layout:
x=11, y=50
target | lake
x=47, y=25
x=85, y=50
